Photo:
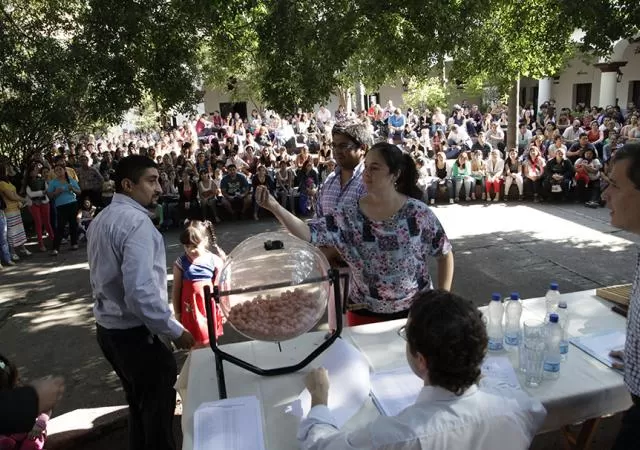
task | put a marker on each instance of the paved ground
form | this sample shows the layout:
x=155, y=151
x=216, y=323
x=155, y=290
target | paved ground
x=46, y=325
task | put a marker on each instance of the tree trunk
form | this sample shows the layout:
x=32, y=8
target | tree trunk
x=512, y=116
x=344, y=99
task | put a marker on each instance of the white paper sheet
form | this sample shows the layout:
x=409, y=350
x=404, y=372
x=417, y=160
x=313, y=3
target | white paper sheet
x=349, y=383
x=234, y=423
x=600, y=344
x=396, y=389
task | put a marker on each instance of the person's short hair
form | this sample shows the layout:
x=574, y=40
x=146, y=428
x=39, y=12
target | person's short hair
x=630, y=152
x=132, y=168
x=231, y=166
x=357, y=132
x=581, y=135
x=448, y=331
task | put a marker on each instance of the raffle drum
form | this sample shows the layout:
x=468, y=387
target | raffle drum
x=272, y=287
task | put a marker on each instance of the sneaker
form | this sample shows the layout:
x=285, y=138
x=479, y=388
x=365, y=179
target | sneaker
x=496, y=198
x=432, y=201
x=457, y=200
x=593, y=205
x=53, y=252
x=9, y=263
x=26, y=252
x=42, y=248
x=74, y=247
x=484, y=196
x=486, y=199
x=451, y=201
x=15, y=257
x=468, y=199
x=473, y=196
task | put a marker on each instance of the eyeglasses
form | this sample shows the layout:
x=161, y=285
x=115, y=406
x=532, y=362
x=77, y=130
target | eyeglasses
x=402, y=332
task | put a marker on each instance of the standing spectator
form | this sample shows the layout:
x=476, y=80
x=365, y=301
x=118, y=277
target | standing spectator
x=90, y=182
x=38, y=203
x=16, y=236
x=129, y=283
x=189, y=206
x=524, y=138
x=63, y=191
x=5, y=253
x=308, y=182
x=284, y=184
x=495, y=136
x=208, y=191
x=495, y=171
x=533, y=169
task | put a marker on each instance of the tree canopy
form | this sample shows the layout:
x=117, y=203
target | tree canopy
x=66, y=65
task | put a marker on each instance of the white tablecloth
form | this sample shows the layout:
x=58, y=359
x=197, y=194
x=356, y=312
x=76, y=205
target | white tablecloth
x=586, y=388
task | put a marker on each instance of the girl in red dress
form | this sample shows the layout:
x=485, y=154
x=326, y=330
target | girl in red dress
x=194, y=270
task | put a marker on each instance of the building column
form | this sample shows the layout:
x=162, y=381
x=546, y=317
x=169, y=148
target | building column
x=544, y=90
x=609, y=82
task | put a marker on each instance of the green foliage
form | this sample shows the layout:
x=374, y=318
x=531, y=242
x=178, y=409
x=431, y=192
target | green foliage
x=68, y=65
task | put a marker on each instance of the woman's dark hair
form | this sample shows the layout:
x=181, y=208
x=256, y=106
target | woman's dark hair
x=131, y=168
x=4, y=172
x=448, y=331
x=399, y=161
x=631, y=153
x=8, y=374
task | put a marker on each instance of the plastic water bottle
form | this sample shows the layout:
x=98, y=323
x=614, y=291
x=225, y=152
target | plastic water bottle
x=551, y=299
x=494, y=324
x=552, y=356
x=563, y=320
x=513, y=311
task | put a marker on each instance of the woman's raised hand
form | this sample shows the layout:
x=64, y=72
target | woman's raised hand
x=265, y=199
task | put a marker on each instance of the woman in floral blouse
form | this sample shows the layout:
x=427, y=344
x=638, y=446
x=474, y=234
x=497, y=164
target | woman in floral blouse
x=386, y=238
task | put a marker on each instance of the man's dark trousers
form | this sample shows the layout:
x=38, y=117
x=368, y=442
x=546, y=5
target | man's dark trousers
x=147, y=370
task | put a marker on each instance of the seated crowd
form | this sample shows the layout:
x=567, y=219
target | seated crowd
x=210, y=167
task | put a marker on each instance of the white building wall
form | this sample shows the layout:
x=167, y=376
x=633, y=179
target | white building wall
x=576, y=72
x=630, y=73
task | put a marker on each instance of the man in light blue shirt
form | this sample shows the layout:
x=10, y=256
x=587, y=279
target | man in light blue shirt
x=129, y=283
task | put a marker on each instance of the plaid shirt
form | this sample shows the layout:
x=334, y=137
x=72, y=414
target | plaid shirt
x=632, y=345
x=333, y=194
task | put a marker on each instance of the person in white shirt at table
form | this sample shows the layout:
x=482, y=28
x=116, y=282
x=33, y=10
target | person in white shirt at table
x=456, y=409
x=623, y=199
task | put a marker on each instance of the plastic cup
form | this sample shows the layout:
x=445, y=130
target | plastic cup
x=532, y=352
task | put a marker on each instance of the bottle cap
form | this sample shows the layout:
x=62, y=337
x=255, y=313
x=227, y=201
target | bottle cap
x=562, y=304
x=495, y=296
x=553, y=318
x=515, y=296
x=553, y=286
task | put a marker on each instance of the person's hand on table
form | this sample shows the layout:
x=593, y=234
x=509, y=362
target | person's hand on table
x=618, y=354
x=265, y=199
x=49, y=390
x=185, y=341
x=317, y=383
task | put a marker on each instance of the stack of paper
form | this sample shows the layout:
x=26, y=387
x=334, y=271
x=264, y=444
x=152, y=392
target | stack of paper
x=599, y=345
x=396, y=389
x=234, y=423
x=349, y=384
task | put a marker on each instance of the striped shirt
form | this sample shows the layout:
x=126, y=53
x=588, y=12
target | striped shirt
x=332, y=193
x=632, y=345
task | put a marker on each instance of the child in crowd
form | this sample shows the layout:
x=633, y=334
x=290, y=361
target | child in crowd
x=34, y=440
x=85, y=216
x=194, y=270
